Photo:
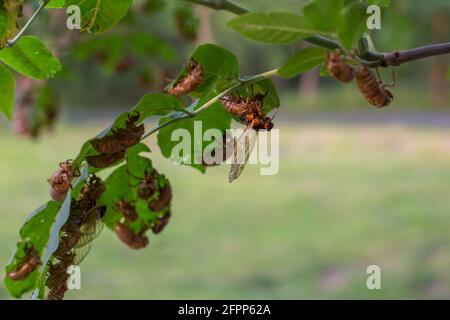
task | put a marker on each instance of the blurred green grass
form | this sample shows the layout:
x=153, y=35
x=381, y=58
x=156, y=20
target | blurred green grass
x=346, y=197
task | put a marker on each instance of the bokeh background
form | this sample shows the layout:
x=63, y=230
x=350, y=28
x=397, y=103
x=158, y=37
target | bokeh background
x=357, y=186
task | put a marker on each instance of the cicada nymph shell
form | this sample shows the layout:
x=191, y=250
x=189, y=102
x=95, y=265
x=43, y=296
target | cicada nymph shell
x=69, y=240
x=127, y=210
x=105, y=160
x=161, y=223
x=338, y=68
x=131, y=239
x=373, y=89
x=82, y=227
x=30, y=263
x=148, y=187
x=58, y=276
x=61, y=180
x=164, y=199
x=191, y=81
x=120, y=139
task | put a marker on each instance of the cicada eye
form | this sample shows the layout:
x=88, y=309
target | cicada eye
x=101, y=211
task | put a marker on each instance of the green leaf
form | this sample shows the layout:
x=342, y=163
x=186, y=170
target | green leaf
x=214, y=117
x=352, y=23
x=381, y=3
x=323, y=14
x=97, y=16
x=7, y=84
x=55, y=4
x=304, y=60
x=273, y=27
x=36, y=232
x=30, y=57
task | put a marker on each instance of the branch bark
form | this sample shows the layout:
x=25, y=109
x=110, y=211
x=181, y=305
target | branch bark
x=13, y=41
x=370, y=59
x=398, y=58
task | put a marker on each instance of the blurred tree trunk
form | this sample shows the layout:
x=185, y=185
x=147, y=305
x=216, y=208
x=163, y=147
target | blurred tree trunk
x=438, y=83
x=205, y=33
x=308, y=85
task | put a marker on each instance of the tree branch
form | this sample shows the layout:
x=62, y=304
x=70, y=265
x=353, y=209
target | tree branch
x=13, y=41
x=368, y=58
x=399, y=57
x=241, y=83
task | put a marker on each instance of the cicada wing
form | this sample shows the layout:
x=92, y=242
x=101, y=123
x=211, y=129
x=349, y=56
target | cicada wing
x=91, y=228
x=81, y=252
x=243, y=147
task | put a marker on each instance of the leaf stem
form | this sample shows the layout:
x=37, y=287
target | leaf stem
x=239, y=84
x=13, y=41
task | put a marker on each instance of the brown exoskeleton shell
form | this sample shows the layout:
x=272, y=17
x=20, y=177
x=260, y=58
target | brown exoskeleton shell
x=121, y=139
x=147, y=187
x=338, y=68
x=132, y=240
x=373, y=90
x=161, y=223
x=69, y=240
x=191, y=81
x=105, y=160
x=164, y=199
x=58, y=276
x=61, y=180
x=31, y=262
x=127, y=210
x=241, y=106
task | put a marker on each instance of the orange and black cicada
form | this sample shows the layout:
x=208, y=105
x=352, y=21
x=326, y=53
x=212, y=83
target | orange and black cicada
x=250, y=112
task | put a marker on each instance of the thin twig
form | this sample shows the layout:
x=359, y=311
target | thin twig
x=399, y=57
x=10, y=43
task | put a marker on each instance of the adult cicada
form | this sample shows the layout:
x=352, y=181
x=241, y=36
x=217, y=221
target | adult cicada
x=90, y=229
